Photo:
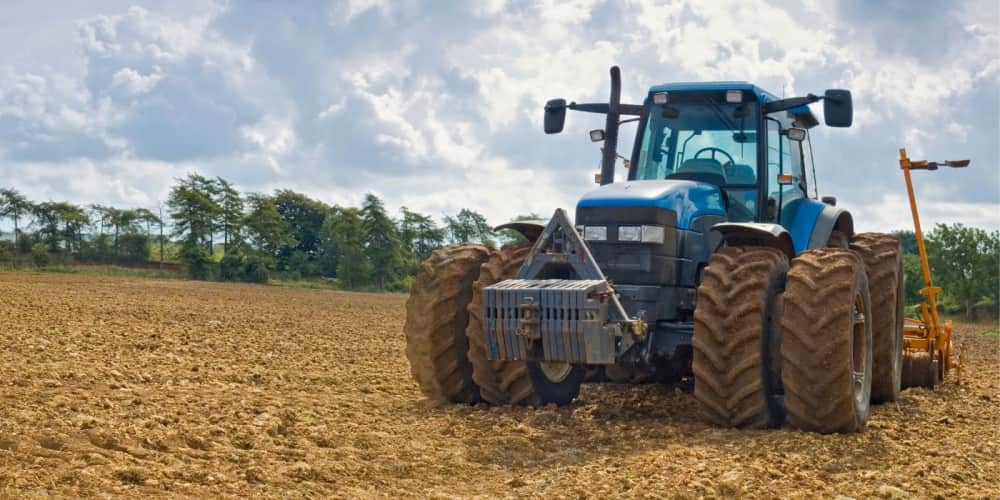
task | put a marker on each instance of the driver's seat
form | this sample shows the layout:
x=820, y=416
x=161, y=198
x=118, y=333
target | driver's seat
x=701, y=169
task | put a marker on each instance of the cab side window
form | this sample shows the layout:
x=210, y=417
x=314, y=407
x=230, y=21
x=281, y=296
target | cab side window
x=785, y=173
x=807, y=166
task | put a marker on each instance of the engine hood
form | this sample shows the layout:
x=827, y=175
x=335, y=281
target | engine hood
x=687, y=199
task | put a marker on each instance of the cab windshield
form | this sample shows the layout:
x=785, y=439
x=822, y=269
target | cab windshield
x=700, y=136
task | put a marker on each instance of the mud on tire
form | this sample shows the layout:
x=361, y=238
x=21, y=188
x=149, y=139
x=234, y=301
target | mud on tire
x=826, y=347
x=500, y=382
x=736, y=337
x=883, y=260
x=436, y=318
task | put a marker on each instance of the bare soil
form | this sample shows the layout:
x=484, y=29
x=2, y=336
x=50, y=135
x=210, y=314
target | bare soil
x=114, y=386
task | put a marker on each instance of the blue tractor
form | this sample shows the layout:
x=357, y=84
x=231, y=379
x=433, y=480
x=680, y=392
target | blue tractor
x=713, y=261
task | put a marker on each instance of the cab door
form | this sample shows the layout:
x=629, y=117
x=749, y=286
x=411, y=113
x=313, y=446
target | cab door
x=786, y=179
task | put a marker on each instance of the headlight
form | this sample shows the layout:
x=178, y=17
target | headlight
x=652, y=234
x=629, y=233
x=595, y=233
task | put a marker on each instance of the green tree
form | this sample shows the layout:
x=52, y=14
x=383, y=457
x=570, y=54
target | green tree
x=908, y=240
x=469, y=227
x=74, y=219
x=47, y=215
x=913, y=279
x=211, y=191
x=100, y=215
x=14, y=205
x=147, y=217
x=381, y=241
x=419, y=235
x=192, y=211
x=122, y=221
x=965, y=262
x=304, y=216
x=266, y=230
x=231, y=214
x=344, y=237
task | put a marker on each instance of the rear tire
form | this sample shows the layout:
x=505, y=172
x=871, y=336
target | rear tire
x=436, y=319
x=827, y=346
x=500, y=382
x=737, y=334
x=883, y=260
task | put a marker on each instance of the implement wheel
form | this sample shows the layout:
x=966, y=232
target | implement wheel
x=883, y=260
x=921, y=370
x=737, y=334
x=436, y=318
x=827, y=345
x=500, y=382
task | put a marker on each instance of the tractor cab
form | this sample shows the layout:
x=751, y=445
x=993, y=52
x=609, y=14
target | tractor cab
x=715, y=133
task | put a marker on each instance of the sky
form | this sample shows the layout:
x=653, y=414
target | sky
x=437, y=106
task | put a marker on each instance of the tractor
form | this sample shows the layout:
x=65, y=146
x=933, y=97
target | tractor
x=713, y=260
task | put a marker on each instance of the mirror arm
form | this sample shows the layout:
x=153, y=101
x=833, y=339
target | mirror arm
x=791, y=102
x=598, y=107
x=604, y=108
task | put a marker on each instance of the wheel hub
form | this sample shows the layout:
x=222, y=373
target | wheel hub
x=859, y=348
x=554, y=371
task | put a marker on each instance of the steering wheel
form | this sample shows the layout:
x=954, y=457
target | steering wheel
x=739, y=212
x=714, y=150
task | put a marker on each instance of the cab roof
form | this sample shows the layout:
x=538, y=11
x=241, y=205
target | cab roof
x=802, y=113
x=761, y=94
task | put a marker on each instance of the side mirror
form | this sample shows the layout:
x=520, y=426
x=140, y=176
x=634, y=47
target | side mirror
x=838, y=109
x=596, y=135
x=555, y=116
x=796, y=134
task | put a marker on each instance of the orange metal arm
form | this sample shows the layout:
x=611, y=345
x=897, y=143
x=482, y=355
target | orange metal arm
x=929, y=289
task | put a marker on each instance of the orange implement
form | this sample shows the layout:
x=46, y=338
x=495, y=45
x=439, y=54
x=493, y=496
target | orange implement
x=927, y=345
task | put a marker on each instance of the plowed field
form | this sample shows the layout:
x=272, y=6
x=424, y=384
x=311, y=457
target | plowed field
x=143, y=387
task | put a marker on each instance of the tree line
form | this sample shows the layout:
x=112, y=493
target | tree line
x=965, y=263
x=216, y=232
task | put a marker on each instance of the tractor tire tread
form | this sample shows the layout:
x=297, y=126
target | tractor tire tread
x=882, y=256
x=727, y=363
x=817, y=341
x=500, y=382
x=436, y=319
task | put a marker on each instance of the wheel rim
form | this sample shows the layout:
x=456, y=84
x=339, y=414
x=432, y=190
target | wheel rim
x=555, y=372
x=859, y=349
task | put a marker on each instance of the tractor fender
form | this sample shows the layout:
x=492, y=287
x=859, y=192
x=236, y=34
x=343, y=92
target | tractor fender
x=530, y=229
x=830, y=219
x=811, y=222
x=757, y=234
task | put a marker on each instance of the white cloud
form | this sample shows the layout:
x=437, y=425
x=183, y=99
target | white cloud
x=438, y=107
x=135, y=83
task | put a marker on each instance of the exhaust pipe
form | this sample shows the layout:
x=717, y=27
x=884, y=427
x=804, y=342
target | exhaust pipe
x=610, y=154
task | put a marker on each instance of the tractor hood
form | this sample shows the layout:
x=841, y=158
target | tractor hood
x=686, y=199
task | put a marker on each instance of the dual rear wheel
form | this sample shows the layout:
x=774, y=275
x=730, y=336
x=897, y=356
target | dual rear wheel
x=778, y=341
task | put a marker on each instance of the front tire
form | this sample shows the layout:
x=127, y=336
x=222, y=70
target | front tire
x=555, y=382
x=436, y=318
x=500, y=382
